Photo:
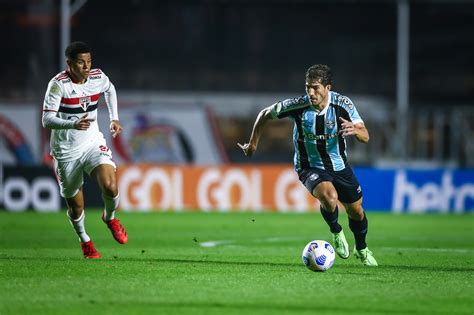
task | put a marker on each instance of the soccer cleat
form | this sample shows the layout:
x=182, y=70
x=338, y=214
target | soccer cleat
x=340, y=244
x=118, y=231
x=89, y=250
x=366, y=256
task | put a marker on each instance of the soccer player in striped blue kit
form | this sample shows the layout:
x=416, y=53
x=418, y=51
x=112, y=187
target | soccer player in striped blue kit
x=322, y=119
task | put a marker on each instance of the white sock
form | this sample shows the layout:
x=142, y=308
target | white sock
x=78, y=225
x=111, y=204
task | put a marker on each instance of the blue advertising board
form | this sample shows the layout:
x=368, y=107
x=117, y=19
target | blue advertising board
x=417, y=190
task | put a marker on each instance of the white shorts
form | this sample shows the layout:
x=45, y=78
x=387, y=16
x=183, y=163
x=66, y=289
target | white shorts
x=70, y=174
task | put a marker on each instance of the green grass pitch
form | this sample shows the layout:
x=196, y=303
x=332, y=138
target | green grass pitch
x=235, y=263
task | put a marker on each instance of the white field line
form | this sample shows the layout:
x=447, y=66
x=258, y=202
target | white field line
x=277, y=239
x=215, y=243
x=258, y=240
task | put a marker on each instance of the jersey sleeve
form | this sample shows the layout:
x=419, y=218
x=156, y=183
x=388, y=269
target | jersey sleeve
x=105, y=82
x=284, y=108
x=350, y=108
x=110, y=95
x=52, y=98
x=51, y=121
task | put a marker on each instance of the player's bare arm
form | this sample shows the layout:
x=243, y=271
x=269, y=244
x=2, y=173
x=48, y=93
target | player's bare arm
x=358, y=130
x=115, y=128
x=263, y=117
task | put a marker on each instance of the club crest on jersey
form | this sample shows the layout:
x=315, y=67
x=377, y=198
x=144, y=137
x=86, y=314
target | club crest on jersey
x=84, y=102
x=329, y=123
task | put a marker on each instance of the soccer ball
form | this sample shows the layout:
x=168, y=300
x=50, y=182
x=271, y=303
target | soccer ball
x=318, y=255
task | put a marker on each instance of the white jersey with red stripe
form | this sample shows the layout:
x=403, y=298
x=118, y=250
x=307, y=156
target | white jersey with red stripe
x=72, y=101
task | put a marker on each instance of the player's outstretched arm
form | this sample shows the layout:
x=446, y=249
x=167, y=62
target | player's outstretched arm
x=263, y=117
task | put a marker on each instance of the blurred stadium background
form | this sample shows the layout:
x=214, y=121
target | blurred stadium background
x=192, y=75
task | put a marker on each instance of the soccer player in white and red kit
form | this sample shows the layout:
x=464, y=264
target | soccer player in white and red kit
x=77, y=145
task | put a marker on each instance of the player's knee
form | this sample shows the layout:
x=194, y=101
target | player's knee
x=329, y=200
x=331, y=196
x=110, y=188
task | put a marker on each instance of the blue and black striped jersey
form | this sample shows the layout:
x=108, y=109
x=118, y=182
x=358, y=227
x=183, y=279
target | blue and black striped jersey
x=315, y=134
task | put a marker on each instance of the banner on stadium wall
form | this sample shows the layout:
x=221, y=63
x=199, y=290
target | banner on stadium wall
x=164, y=134
x=147, y=187
x=417, y=190
x=241, y=188
x=19, y=129
x=24, y=188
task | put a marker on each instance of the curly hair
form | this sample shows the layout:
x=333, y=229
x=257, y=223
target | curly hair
x=321, y=73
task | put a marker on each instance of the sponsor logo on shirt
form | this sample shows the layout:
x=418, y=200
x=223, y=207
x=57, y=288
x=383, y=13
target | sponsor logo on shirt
x=312, y=136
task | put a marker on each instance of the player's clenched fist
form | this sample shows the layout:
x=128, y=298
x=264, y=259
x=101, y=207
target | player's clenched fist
x=83, y=123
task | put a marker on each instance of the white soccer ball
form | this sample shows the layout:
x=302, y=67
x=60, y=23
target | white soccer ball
x=318, y=255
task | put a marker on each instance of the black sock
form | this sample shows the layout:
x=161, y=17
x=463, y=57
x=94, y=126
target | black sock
x=359, y=228
x=331, y=219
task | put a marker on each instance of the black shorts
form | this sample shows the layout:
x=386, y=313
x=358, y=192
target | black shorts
x=345, y=182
